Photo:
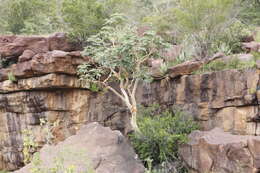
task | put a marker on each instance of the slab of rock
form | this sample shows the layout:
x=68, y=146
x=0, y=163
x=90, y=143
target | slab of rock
x=11, y=46
x=45, y=63
x=220, y=152
x=95, y=148
x=46, y=82
x=184, y=68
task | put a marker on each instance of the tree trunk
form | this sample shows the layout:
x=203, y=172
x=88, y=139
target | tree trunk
x=134, y=120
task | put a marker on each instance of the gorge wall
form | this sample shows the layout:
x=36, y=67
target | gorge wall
x=46, y=86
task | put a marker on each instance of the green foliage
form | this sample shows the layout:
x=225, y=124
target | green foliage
x=231, y=38
x=162, y=132
x=119, y=49
x=11, y=77
x=29, y=145
x=251, y=13
x=82, y=17
x=207, y=24
x=26, y=16
x=120, y=54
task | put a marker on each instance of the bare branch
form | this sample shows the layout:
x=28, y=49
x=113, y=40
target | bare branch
x=116, y=93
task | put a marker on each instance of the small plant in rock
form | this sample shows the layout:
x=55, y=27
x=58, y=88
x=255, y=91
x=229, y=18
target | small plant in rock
x=29, y=145
x=11, y=77
x=48, y=129
x=162, y=132
x=119, y=55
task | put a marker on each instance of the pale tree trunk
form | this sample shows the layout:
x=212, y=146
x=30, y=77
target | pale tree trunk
x=134, y=121
x=128, y=97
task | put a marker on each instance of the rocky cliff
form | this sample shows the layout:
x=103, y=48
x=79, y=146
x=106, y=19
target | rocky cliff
x=38, y=81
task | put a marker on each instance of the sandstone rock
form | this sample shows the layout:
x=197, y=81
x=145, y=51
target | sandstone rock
x=16, y=45
x=59, y=41
x=22, y=43
x=173, y=53
x=251, y=46
x=26, y=56
x=93, y=148
x=44, y=63
x=23, y=110
x=49, y=81
x=184, y=68
x=240, y=57
x=220, y=152
x=258, y=64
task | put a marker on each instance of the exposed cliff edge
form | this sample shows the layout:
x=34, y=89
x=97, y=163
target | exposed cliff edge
x=46, y=85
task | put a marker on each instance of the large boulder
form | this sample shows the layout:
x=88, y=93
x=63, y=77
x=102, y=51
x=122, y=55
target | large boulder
x=220, y=152
x=95, y=148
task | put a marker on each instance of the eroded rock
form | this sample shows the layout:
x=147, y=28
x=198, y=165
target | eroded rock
x=15, y=45
x=220, y=152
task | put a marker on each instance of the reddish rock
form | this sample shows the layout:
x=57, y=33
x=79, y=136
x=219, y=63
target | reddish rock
x=59, y=41
x=184, y=68
x=22, y=43
x=26, y=56
x=220, y=152
x=45, y=63
x=251, y=46
x=16, y=45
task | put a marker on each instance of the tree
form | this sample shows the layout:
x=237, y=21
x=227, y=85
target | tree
x=120, y=54
x=27, y=16
x=82, y=17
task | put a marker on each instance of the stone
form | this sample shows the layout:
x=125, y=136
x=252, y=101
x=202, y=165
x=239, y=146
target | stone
x=220, y=152
x=59, y=41
x=251, y=46
x=15, y=45
x=47, y=86
x=26, y=56
x=258, y=64
x=44, y=63
x=184, y=68
x=173, y=52
x=95, y=148
x=23, y=110
x=21, y=43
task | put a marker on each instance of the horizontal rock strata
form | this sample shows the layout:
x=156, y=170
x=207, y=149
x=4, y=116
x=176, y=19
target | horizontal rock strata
x=44, y=85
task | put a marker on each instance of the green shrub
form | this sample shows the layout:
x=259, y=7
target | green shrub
x=11, y=77
x=26, y=16
x=83, y=18
x=161, y=135
x=251, y=12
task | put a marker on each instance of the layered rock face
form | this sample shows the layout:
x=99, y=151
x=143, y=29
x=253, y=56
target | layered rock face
x=226, y=99
x=46, y=87
x=94, y=149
